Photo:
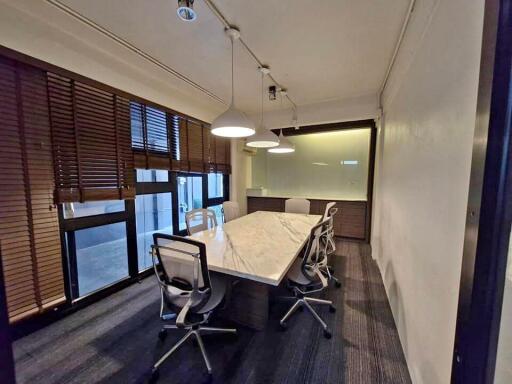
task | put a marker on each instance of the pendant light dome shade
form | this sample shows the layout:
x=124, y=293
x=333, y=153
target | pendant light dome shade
x=263, y=139
x=285, y=145
x=232, y=123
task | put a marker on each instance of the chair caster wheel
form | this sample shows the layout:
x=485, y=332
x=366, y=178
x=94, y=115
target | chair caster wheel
x=162, y=334
x=155, y=374
x=283, y=326
x=327, y=334
x=332, y=308
x=337, y=284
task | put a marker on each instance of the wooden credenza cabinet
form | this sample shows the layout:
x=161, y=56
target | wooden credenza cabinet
x=350, y=220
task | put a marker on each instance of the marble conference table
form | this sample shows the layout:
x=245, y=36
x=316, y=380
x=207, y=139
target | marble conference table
x=260, y=246
x=257, y=250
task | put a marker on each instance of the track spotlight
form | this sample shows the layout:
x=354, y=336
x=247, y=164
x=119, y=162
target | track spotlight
x=186, y=10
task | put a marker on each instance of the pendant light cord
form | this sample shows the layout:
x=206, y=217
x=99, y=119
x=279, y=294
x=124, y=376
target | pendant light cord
x=232, y=71
x=262, y=90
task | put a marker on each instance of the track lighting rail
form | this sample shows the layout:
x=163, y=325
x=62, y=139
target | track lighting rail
x=227, y=25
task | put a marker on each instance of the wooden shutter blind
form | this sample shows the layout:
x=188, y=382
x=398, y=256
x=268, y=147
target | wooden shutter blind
x=208, y=142
x=220, y=155
x=92, y=142
x=153, y=137
x=196, y=158
x=29, y=229
x=164, y=140
x=183, y=145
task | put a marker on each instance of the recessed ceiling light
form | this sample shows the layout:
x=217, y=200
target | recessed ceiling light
x=186, y=10
x=322, y=164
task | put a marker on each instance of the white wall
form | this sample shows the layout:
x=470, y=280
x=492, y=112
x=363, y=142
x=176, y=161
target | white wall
x=423, y=178
x=330, y=111
x=240, y=174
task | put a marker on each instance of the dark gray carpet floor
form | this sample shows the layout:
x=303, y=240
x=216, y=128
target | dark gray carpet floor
x=115, y=340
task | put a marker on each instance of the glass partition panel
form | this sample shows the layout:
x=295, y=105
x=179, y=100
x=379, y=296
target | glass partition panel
x=330, y=165
x=153, y=213
x=190, y=196
x=218, y=213
x=101, y=256
x=215, y=185
x=91, y=208
x=152, y=175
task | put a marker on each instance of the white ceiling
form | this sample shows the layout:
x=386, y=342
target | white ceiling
x=320, y=50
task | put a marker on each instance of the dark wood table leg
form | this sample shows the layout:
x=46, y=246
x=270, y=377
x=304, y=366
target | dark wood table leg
x=248, y=304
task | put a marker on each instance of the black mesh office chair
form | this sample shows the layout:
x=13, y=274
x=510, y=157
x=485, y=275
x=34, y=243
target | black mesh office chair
x=186, y=289
x=306, y=277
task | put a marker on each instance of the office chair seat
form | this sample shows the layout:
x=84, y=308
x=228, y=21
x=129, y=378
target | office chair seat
x=179, y=297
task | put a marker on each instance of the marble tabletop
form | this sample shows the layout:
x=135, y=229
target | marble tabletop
x=260, y=246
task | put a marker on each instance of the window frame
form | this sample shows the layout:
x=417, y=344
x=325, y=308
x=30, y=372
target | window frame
x=207, y=202
x=69, y=226
x=216, y=200
x=151, y=188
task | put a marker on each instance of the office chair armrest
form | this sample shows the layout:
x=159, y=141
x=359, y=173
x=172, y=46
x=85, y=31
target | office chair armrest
x=194, y=299
x=155, y=268
x=180, y=321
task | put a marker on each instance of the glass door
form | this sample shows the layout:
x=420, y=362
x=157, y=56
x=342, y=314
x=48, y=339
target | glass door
x=190, y=196
x=483, y=339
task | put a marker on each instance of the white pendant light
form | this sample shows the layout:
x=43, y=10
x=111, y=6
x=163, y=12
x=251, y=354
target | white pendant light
x=233, y=122
x=285, y=145
x=263, y=137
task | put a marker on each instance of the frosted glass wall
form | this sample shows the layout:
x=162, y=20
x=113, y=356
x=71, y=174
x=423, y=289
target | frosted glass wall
x=331, y=165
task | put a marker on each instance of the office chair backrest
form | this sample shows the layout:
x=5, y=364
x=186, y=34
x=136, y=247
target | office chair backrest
x=327, y=212
x=183, y=269
x=315, y=249
x=198, y=220
x=231, y=210
x=297, y=206
x=330, y=211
